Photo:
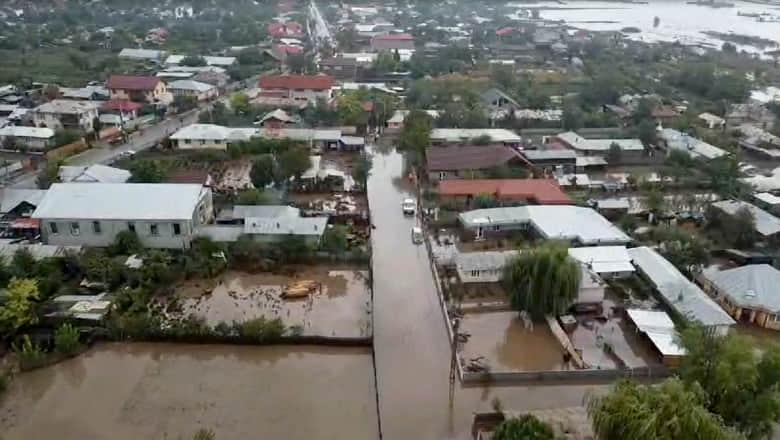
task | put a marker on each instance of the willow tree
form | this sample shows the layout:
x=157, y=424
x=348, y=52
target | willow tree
x=668, y=411
x=543, y=281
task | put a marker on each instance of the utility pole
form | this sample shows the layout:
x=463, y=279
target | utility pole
x=454, y=359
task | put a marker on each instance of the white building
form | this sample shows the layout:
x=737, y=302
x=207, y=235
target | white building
x=96, y=173
x=63, y=114
x=32, y=137
x=91, y=215
x=675, y=140
x=200, y=91
x=482, y=267
x=607, y=261
x=465, y=135
x=210, y=136
x=175, y=60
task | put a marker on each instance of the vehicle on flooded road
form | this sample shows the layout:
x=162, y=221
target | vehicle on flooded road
x=417, y=235
x=408, y=206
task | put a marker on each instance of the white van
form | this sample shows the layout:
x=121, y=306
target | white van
x=417, y=235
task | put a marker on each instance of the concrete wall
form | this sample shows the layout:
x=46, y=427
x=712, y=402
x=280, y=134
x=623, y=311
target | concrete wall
x=53, y=120
x=87, y=235
x=200, y=144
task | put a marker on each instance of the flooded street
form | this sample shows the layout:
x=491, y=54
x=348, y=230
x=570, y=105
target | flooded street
x=168, y=391
x=410, y=339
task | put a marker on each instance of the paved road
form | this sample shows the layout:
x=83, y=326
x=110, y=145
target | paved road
x=410, y=339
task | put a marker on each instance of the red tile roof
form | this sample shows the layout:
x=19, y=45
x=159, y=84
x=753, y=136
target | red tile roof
x=288, y=49
x=468, y=157
x=394, y=37
x=503, y=32
x=540, y=191
x=125, y=106
x=127, y=82
x=305, y=82
x=665, y=111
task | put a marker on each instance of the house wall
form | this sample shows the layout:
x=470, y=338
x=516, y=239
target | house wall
x=88, y=237
x=493, y=232
x=304, y=94
x=200, y=144
x=310, y=240
x=202, y=96
x=159, y=93
x=32, y=143
x=57, y=121
x=481, y=276
x=757, y=317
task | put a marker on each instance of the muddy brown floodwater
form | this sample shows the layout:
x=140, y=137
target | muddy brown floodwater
x=168, y=391
x=340, y=307
x=410, y=340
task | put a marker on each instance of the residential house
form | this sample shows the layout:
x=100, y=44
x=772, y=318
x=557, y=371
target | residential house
x=18, y=203
x=467, y=161
x=505, y=191
x=760, y=141
x=91, y=215
x=63, y=114
x=396, y=122
x=122, y=112
x=143, y=89
x=739, y=114
x=210, y=136
x=33, y=138
x=767, y=225
x=288, y=29
x=750, y=294
x=307, y=88
x=443, y=136
x=340, y=68
x=316, y=138
x=96, y=173
x=665, y=114
x=87, y=93
x=482, y=267
x=581, y=226
x=609, y=262
x=268, y=224
x=198, y=90
x=631, y=149
x=712, y=121
x=678, y=293
x=498, y=103
x=175, y=60
x=548, y=161
x=143, y=54
x=671, y=139
x=278, y=119
x=392, y=42
x=216, y=78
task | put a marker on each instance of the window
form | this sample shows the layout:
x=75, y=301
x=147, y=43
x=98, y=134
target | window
x=774, y=317
x=75, y=228
x=496, y=227
x=203, y=142
x=475, y=273
x=176, y=229
x=131, y=226
x=53, y=228
x=96, y=227
x=153, y=229
x=186, y=141
x=442, y=175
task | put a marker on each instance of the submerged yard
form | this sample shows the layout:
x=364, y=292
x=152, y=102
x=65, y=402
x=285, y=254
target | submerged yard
x=339, y=304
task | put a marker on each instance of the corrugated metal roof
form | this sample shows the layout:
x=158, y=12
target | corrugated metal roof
x=679, y=293
x=754, y=286
x=467, y=134
x=658, y=326
x=490, y=260
x=552, y=222
x=468, y=157
x=10, y=198
x=573, y=140
x=286, y=226
x=604, y=259
x=766, y=223
x=120, y=201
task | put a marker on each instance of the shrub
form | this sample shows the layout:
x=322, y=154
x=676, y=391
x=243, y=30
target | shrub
x=261, y=330
x=29, y=352
x=66, y=339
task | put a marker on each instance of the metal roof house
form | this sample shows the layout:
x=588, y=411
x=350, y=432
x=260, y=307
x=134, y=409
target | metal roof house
x=210, y=136
x=482, y=267
x=607, y=261
x=766, y=224
x=681, y=295
x=466, y=135
x=579, y=225
x=675, y=140
x=268, y=223
x=91, y=215
x=749, y=293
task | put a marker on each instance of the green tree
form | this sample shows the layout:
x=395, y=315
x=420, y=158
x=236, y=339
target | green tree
x=361, y=169
x=253, y=197
x=335, y=239
x=126, y=243
x=723, y=173
x=688, y=253
x=65, y=137
x=385, y=62
x=738, y=230
x=184, y=103
x=485, y=201
x=293, y=163
x=23, y=264
x=654, y=201
x=543, y=281
x=572, y=118
x=526, y=427
x=147, y=171
x=239, y=102
x=647, y=133
x=193, y=61
x=350, y=110
x=740, y=383
x=18, y=310
x=66, y=339
x=503, y=76
x=669, y=411
x=415, y=137
x=49, y=175
x=263, y=171
x=615, y=153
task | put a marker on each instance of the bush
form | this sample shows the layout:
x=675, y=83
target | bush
x=29, y=352
x=261, y=330
x=126, y=243
x=66, y=339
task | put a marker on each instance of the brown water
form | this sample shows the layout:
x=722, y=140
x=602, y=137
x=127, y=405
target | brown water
x=591, y=335
x=507, y=345
x=340, y=307
x=410, y=340
x=166, y=391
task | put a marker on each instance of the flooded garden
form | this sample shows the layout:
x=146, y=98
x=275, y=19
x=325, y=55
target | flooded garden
x=169, y=391
x=315, y=301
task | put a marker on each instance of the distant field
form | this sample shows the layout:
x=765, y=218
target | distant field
x=53, y=65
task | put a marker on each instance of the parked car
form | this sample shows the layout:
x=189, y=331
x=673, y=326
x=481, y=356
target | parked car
x=417, y=235
x=409, y=206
